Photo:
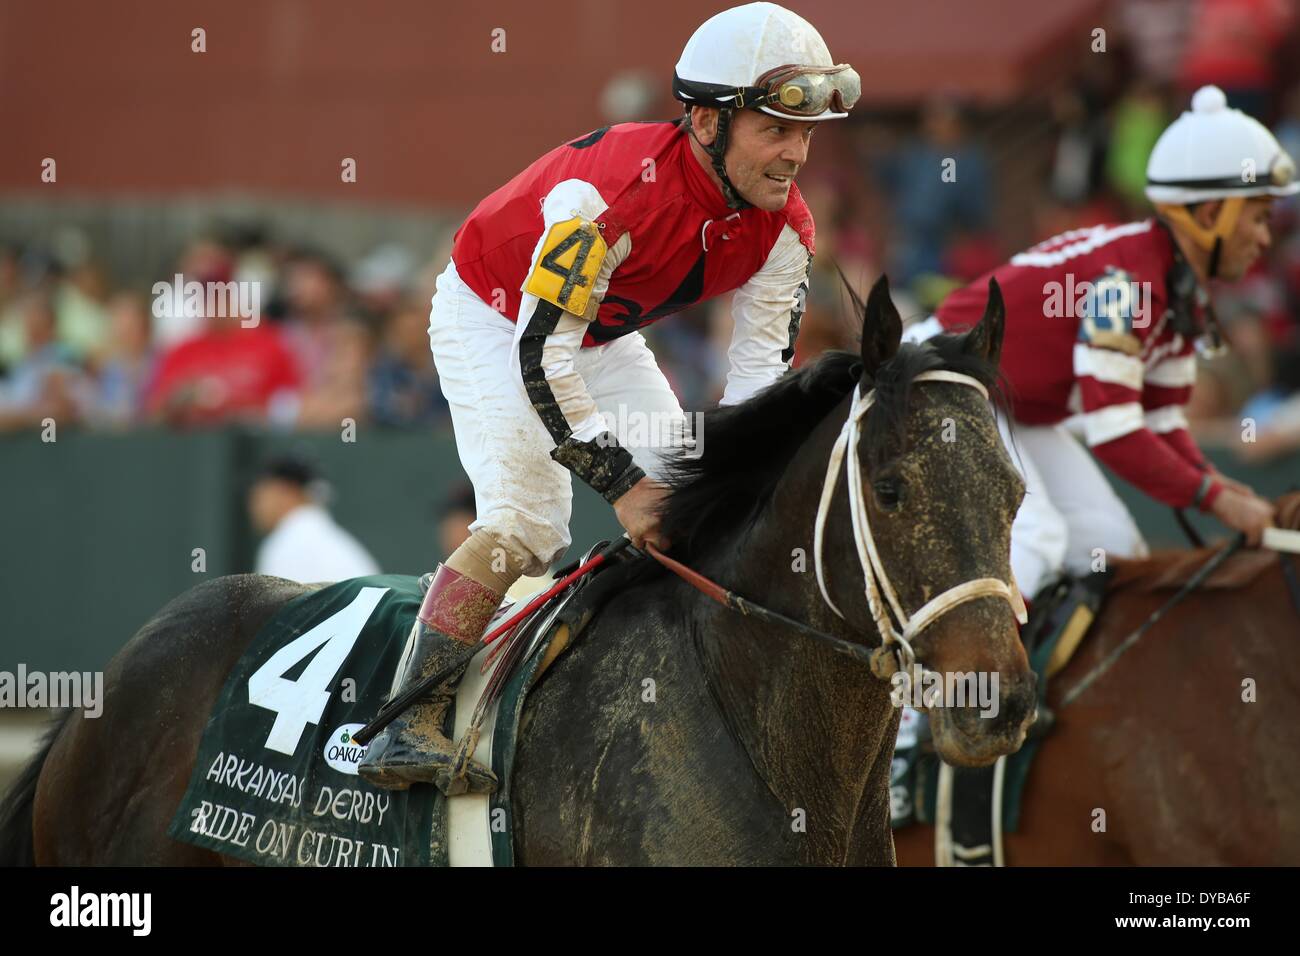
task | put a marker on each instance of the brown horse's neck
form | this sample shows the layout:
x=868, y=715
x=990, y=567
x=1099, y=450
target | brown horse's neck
x=817, y=725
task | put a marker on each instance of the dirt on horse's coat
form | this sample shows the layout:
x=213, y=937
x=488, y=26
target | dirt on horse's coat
x=674, y=731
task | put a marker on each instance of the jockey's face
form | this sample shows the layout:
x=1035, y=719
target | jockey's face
x=763, y=153
x=1248, y=241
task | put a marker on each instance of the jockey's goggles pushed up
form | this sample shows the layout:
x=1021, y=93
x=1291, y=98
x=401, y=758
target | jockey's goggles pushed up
x=1283, y=171
x=803, y=90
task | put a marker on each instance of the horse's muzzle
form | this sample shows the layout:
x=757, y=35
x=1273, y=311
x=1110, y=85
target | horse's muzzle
x=973, y=736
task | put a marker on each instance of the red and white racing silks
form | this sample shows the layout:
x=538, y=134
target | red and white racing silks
x=1094, y=327
x=534, y=328
x=654, y=192
x=607, y=234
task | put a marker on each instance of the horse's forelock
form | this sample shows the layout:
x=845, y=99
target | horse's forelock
x=745, y=448
x=885, y=432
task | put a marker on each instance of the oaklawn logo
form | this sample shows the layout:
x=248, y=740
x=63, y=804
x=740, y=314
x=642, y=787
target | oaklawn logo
x=103, y=909
x=341, y=753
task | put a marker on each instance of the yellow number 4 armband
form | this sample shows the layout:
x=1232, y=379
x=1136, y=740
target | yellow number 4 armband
x=567, y=267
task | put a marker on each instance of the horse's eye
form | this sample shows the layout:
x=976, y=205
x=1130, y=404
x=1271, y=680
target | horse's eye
x=889, y=494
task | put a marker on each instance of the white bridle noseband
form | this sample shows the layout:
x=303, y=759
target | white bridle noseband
x=873, y=570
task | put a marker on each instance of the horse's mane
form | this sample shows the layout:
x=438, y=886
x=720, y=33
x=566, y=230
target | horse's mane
x=1166, y=570
x=746, y=447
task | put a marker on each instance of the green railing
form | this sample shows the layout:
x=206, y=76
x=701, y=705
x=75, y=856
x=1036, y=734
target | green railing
x=98, y=531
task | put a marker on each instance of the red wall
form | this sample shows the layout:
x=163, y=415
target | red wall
x=410, y=88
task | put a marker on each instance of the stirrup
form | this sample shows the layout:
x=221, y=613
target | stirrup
x=444, y=638
x=403, y=756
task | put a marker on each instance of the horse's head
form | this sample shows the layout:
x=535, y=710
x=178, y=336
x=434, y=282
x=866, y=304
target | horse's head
x=936, y=495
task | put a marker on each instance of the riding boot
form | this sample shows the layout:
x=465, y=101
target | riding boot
x=446, y=634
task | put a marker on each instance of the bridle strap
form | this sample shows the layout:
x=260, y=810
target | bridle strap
x=878, y=588
x=954, y=597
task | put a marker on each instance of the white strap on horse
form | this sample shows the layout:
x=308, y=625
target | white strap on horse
x=873, y=570
x=1281, y=539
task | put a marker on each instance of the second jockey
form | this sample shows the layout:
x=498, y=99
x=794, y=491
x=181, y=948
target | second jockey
x=1103, y=323
x=1102, y=326
x=534, y=327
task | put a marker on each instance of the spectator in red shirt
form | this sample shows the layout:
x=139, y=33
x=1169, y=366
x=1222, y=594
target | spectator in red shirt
x=225, y=373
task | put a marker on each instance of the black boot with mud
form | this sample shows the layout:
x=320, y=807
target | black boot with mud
x=414, y=748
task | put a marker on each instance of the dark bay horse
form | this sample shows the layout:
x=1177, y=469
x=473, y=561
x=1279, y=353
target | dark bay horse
x=674, y=731
x=1188, y=772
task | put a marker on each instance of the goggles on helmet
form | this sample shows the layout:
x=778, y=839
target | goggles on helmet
x=803, y=90
x=1283, y=171
x=1281, y=174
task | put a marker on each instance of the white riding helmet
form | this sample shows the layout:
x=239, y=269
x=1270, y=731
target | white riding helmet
x=761, y=56
x=1213, y=152
x=736, y=57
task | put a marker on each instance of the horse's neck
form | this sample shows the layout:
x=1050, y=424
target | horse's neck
x=816, y=724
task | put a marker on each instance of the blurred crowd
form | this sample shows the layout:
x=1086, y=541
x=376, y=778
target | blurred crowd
x=348, y=340
x=325, y=344
x=1074, y=154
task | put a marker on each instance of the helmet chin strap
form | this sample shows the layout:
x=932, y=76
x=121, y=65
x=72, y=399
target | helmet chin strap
x=1212, y=269
x=1209, y=239
x=717, y=150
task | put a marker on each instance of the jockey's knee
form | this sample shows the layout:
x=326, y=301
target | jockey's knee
x=505, y=547
x=1109, y=536
x=1039, y=543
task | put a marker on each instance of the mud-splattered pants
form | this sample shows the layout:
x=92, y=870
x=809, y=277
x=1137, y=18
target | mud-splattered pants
x=523, y=497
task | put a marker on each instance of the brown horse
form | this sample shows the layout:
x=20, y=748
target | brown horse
x=1187, y=767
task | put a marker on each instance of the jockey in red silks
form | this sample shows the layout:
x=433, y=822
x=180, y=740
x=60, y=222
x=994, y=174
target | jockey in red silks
x=1102, y=328
x=1103, y=324
x=534, y=327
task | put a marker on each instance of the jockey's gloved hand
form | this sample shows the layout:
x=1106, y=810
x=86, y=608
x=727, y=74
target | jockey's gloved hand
x=1233, y=483
x=638, y=513
x=1245, y=512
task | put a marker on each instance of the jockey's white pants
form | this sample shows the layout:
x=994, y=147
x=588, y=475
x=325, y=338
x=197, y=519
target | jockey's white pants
x=1070, y=515
x=522, y=496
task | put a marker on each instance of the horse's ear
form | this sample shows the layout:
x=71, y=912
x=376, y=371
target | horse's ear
x=985, y=339
x=882, y=328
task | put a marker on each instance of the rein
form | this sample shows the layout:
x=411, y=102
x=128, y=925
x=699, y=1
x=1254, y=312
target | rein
x=895, y=651
x=734, y=602
x=1192, y=584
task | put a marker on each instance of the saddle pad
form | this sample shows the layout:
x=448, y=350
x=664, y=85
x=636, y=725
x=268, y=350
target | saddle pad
x=275, y=782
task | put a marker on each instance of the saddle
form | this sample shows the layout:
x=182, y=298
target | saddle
x=275, y=783
x=490, y=700
x=569, y=612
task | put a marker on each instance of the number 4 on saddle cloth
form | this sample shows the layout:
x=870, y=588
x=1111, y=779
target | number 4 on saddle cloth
x=961, y=802
x=275, y=781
